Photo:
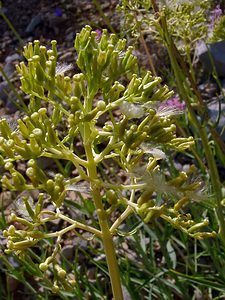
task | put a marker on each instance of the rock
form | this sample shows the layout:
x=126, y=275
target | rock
x=208, y=90
x=217, y=51
x=70, y=37
x=55, y=22
x=213, y=112
x=223, y=85
x=12, y=57
x=68, y=252
x=11, y=103
x=4, y=91
x=8, y=69
x=34, y=23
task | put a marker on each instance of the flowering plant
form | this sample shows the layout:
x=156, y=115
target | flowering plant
x=135, y=136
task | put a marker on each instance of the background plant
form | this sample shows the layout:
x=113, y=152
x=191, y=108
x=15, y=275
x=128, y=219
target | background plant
x=181, y=21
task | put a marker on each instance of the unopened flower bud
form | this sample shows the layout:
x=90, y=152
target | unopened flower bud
x=43, y=267
x=11, y=230
x=101, y=105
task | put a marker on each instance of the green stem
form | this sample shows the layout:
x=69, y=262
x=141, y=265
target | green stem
x=150, y=61
x=104, y=17
x=21, y=105
x=120, y=220
x=71, y=227
x=107, y=237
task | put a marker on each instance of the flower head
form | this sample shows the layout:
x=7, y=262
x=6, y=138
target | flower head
x=58, y=12
x=173, y=106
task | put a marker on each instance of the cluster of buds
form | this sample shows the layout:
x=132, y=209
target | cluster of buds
x=182, y=191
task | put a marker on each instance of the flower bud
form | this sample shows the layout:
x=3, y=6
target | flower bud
x=5, y=129
x=6, y=184
x=101, y=105
x=36, y=47
x=22, y=245
x=50, y=185
x=198, y=226
x=23, y=128
x=127, y=55
x=34, y=147
x=12, y=217
x=180, y=203
x=103, y=43
x=11, y=230
x=30, y=172
x=102, y=58
x=114, y=92
x=145, y=198
x=179, y=180
x=36, y=234
x=59, y=178
x=51, y=135
x=132, y=60
x=138, y=140
x=6, y=147
x=60, y=272
x=111, y=197
x=9, y=166
x=28, y=51
x=28, y=123
x=43, y=267
x=18, y=180
x=55, y=288
x=54, y=47
x=148, y=87
x=22, y=69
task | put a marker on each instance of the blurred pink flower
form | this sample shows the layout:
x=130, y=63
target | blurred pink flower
x=174, y=103
x=214, y=16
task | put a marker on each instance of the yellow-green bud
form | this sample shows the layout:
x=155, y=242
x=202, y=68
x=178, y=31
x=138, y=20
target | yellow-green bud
x=55, y=288
x=101, y=105
x=9, y=166
x=111, y=197
x=61, y=273
x=11, y=230
x=43, y=267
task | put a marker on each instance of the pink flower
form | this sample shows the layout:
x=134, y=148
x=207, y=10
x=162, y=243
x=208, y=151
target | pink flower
x=173, y=103
x=215, y=15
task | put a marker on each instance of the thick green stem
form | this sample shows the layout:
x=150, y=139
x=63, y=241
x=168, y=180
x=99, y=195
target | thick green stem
x=107, y=237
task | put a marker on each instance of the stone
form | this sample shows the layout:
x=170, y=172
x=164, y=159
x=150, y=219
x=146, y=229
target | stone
x=11, y=103
x=9, y=69
x=208, y=90
x=12, y=57
x=34, y=23
x=68, y=252
x=217, y=51
x=4, y=91
x=213, y=108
